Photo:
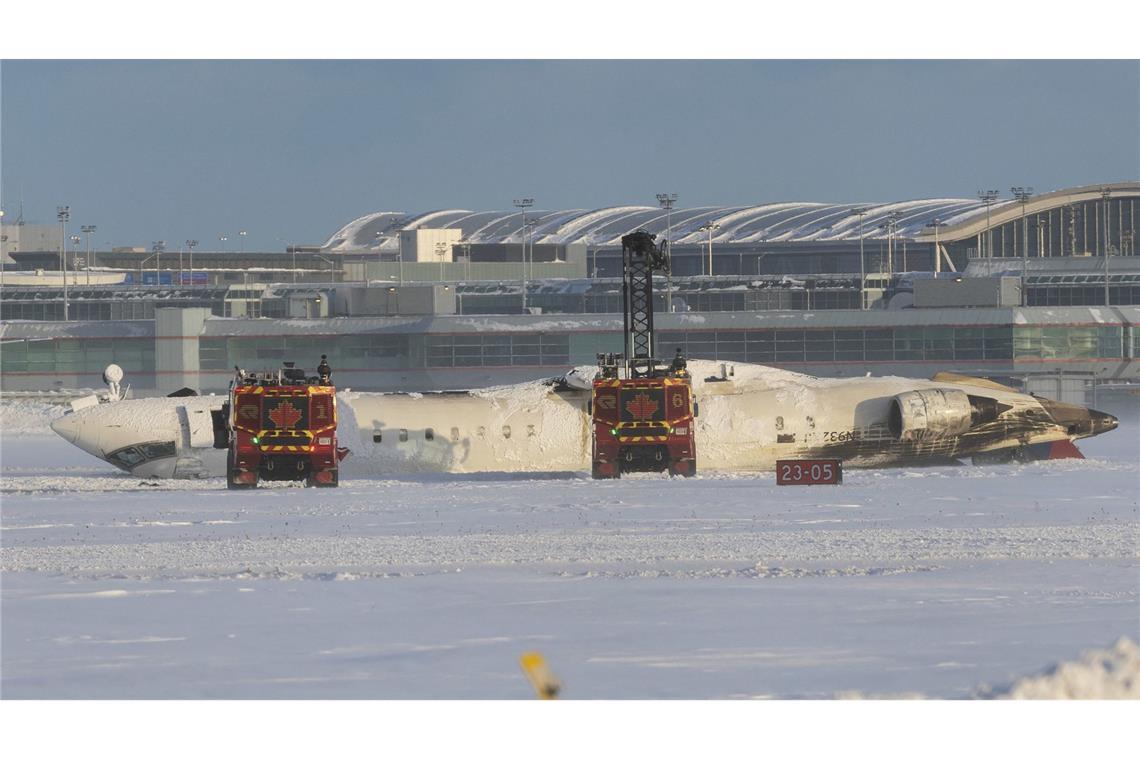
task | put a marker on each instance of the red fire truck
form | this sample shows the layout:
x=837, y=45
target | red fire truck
x=643, y=414
x=280, y=425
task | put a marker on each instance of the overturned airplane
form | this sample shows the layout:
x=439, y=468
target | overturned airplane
x=748, y=416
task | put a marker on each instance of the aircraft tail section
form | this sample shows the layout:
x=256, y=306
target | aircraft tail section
x=1055, y=450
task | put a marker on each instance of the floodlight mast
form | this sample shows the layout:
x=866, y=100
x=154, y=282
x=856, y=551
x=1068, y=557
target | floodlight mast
x=862, y=212
x=1106, y=194
x=63, y=214
x=190, y=245
x=666, y=201
x=710, y=227
x=891, y=226
x=75, y=240
x=935, y=223
x=988, y=197
x=157, y=247
x=523, y=204
x=88, y=230
x=1023, y=194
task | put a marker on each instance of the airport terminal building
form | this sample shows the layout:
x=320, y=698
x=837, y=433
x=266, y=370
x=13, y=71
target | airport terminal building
x=1043, y=290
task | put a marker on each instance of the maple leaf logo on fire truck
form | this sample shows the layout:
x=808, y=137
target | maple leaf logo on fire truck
x=641, y=407
x=285, y=415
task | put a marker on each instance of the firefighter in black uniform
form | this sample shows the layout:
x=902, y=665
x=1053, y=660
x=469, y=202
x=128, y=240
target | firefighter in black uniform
x=324, y=371
x=679, y=367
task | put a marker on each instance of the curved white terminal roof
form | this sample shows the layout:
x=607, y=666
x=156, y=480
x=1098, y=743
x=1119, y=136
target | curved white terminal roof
x=769, y=222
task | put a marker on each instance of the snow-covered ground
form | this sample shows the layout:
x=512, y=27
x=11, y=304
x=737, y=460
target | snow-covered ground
x=946, y=582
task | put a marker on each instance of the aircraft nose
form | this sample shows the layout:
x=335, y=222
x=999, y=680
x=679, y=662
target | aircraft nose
x=67, y=427
x=1080, y=421
x=74, y=429
x=1102, y=422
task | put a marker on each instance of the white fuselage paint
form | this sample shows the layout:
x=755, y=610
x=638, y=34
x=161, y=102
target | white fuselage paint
x=745, y=423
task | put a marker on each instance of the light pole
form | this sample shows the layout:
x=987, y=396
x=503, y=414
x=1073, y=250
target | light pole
x=937, y=253
x=222, y=242
x=988, y=197
x=142, y=264
x=75, y=240
x=88, y=230
x=862, y=212
x=241, y=238
x=440, y=250
x=1043, y=235
x=711, y=227
x=332, y=268
x=1106, y=193
x=530, y=249
x=63, y=214
x=889, y=226
x=523, y=204
x=666, y=201
x=400, y=246
x=190, y=245
x=1023, y=194
x=379, y=255
x=157, y=247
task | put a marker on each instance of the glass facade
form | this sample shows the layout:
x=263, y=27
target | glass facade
x=497, y=350
x=941, y=345
x=899, y=344
x=69, y=356
x=91, y=304
x=362, y=351
x=1083, y=295
x=1078, y=342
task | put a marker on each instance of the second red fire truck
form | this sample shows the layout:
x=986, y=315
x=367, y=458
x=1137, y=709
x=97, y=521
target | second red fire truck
x=642, y=411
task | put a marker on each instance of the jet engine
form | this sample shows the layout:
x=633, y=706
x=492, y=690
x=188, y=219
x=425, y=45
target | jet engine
x=938, y=413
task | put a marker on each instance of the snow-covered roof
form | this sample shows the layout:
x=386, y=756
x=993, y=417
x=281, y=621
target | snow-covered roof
x=767, y=222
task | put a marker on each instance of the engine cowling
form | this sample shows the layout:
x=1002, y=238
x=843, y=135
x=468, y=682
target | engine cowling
x=933, y=413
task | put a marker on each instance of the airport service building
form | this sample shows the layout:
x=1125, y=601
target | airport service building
x=1040, y=289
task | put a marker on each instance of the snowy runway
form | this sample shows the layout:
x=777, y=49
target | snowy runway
x=926, y=581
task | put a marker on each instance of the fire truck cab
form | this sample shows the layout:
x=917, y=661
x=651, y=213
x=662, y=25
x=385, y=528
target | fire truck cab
x=280, y=425
x=643, y=425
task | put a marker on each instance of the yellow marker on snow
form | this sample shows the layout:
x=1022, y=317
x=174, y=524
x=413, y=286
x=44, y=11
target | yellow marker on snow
x=546, y=686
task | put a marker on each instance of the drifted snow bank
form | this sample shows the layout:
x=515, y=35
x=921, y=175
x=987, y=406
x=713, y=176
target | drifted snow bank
x=29, y=417
x=1112, y=673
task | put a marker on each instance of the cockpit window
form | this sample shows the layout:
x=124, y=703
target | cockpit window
x=157, y=450
x=125, y=458
x=130, y=456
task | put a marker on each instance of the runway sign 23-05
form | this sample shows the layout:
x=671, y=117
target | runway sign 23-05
x=809, y=472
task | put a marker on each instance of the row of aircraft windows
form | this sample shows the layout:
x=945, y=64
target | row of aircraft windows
x=403, y=435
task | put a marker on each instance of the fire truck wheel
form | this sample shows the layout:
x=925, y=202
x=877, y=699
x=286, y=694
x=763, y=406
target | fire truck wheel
x=313, y=482
x=598, y=473
x=684, y=469
x=231, y=476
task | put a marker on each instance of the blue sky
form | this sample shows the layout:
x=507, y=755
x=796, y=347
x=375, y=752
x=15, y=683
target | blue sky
x=291, y=150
